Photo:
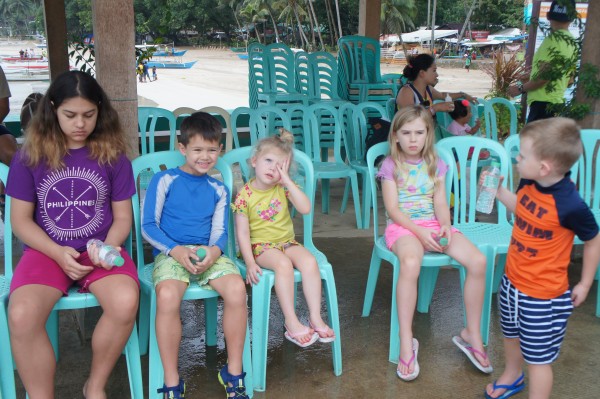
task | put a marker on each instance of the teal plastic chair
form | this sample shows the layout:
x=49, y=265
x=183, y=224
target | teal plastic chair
x=317, y=77
x=272, y=76
x=397, y=80
x=359, y=70
x=74, y=300
x=496, y=234
x=319, y=120
x=589, y=186
x=491, y=117
x=147, y=118
x=215, y=111
x=261, y=292
x=156, y=162
x=431, y=261
x=355, y=118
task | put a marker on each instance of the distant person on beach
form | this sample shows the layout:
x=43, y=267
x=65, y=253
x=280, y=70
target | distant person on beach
x=8, y=144
x=145, y=70
x=544, y=94
x=140, y=72
x=21, y=53
x=467, y=63
x=154, y=75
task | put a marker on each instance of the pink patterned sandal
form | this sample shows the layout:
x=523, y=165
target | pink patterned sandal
x=324, y=333
x=293, y=337
x=470, y=352
x=415, y=373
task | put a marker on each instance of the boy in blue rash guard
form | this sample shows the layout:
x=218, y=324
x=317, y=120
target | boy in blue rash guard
x=185, y=209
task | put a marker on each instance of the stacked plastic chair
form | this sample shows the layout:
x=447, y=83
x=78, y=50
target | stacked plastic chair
x=359, y=70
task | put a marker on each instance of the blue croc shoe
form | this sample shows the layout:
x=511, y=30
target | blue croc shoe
x=237, y=388
x=511, y=389
x=176, y=392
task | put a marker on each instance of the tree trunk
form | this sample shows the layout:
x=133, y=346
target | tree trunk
x=591, y=55
x=339, y=21
x=467, y=20
x=330, y=20
x=300, y=30
x=314, y=15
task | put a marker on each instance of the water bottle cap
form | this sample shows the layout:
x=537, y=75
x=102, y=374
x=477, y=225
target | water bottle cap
x=496, y=163
x=119, y=261
x=443, y=241
x=201, y=252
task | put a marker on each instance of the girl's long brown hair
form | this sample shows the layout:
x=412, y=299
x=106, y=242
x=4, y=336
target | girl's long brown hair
x=44, y=139
x=402, y=117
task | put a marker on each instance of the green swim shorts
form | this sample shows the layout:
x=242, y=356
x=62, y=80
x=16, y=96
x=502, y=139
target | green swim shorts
x=167, y=268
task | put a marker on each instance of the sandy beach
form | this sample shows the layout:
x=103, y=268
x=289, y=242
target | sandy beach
x=220, y=78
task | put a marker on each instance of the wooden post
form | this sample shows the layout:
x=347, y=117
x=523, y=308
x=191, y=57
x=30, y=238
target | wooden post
x=369, y=18
x=114, y=44
x=591, y=55
x=56, y=35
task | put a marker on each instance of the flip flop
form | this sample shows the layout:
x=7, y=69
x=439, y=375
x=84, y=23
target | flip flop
x=325, y=339
x=470, y=352
x=511, y=389
x=290, y=336
x=415, y=373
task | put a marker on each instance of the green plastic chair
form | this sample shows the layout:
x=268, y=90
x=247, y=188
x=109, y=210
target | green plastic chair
x=74, y=300
x=147, y=118
x=496, y=234
x=397, y=80
x=272, y=76
x=431, y=261
x=322, y=119
x=359, y=71
x=355, y=118
x=491, y=117
x=262, y=122
x=261, y=292
x=156, y=162
x=215, y=111
x=317, y=77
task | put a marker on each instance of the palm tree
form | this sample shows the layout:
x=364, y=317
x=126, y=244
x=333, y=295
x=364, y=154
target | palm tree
x=291, y=10
x=236, y=7
x=396, y=17
x=265, y=5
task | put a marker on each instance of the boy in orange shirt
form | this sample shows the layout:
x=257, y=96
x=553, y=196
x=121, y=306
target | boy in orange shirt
x=534, y=298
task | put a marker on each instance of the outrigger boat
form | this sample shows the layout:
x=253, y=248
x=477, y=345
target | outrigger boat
x=166, y=56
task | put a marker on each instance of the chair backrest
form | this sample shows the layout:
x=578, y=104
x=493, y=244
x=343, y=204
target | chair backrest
x=147, y=118
x=465, y=200
x=493, y=107
x=356, y=126
x=305, y=172
x=322, y=124
x=157, y=162
x=265, y=121
x=8, y=237
x=391, y=107
x=397, y=80
x=227, y=119
x=183, y=111
x=324, y=73
x=384, y=149
x=587, y=170
x=359, y=57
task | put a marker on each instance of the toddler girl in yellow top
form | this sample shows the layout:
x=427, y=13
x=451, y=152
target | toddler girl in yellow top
x=265, y=235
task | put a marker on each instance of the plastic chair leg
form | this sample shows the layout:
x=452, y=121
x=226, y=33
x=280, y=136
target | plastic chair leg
x=247, y=365
x=156, y=376
x=356, y=199
x=144, y=322
x=325, y=196
x=210, y=321
x=52, y=330
x=366, y=200
x=498, y=271
x=394, y=326
x=7, y=373
x=334, y=318
x=261, y=303
x=134, y=366
x=490, y=254
x=427, y=280
x=345, y=197
x=374, y=268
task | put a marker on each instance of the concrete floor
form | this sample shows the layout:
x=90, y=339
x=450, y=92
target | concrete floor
x=305, y=373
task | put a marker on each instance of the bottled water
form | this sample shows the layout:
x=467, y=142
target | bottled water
x=201, y=252
x=107, y=253
x=486, y=191
x=443, y=241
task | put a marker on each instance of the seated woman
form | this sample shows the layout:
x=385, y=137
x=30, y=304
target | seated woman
x=422, y=75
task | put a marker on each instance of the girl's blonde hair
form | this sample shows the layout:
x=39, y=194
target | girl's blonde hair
x=46, y=142
x=429, y=155
x=283, y=142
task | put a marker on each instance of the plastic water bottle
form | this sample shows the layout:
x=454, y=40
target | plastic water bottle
x=107, y=253
x=201, y=253
x=448, y=99
x=486, y=191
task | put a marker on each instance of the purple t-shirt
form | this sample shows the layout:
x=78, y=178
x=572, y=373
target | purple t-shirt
x=74, y=203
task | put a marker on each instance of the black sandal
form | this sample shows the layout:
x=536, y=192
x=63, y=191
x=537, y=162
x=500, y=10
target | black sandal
x=238, y=387
x=176, y=392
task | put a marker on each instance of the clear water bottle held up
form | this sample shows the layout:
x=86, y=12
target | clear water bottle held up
x=107, y=253
x=486, y=191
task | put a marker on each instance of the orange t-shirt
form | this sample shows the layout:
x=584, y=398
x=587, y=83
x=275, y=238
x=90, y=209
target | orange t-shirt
x=546, y=221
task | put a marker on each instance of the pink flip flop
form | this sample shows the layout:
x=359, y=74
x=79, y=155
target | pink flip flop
x=470, y=352
x=414, y=358
x=292, y=337
x=319, y=331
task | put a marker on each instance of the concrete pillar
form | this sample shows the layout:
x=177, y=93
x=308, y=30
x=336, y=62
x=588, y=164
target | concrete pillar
x=56, y=37
x=114, y=43
x=591, y=55
x=369, y=18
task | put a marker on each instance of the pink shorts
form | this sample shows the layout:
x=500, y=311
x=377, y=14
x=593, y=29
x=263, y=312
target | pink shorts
x=394, y=231
x=38, y=268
